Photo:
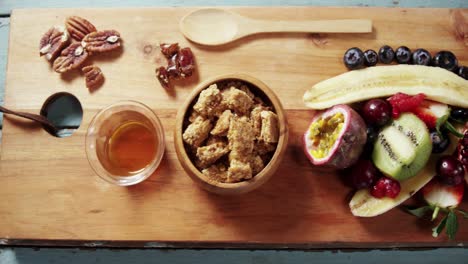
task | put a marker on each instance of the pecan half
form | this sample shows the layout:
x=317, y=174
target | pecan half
x=70, y=58
x=93, y=75
x=53, y=41
x=79, y=27
x=101, y=41
x=169, y=50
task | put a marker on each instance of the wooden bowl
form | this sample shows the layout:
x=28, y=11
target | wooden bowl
x=259, y=89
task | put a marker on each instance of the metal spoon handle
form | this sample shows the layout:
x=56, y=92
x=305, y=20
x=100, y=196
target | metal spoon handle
x=34, y=117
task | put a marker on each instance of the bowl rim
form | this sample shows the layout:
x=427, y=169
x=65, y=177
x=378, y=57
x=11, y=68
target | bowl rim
x=265, y=173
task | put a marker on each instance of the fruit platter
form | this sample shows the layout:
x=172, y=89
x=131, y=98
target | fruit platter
x=319, y=140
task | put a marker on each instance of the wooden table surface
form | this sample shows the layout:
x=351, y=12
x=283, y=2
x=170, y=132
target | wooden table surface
x=5, y=7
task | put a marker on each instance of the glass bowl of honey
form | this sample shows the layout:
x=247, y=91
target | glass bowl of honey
x=125, y=143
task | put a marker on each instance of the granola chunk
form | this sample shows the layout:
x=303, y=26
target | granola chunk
x=209, y=154
x=222, y=125
x=237, y=101
x=197, y=132
x=209, y=101
x=256, y=163
x=217, y=172
x=241, y=138
x=262, y=147
x=256, y=118
x=238, y=171
x=269, y=132
x=216, y=139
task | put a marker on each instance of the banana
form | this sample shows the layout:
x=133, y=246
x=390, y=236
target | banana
x=438, y=84
x=363, y=204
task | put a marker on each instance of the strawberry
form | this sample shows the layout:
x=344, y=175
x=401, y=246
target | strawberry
x=432, y=112
x=442, y=196
x=445, y=198
x=402, y=102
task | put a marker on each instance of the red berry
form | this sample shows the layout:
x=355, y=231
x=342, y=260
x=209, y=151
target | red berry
x=376, y=112
x=363, y=174
x=405, y=103
x=386, y=187
x=450, y=170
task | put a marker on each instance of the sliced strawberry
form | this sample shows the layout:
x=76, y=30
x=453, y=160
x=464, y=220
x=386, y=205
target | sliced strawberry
x=430, y=112
x=402, y=102
x=441, y=195
x=445, y=198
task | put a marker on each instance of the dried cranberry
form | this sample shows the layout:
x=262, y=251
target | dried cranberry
x=186, y=62
x=169, y=50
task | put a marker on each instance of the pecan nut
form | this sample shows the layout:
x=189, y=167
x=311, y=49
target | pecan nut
x=53, y=42
x=93, y=76
x=79, y=27
x=70, y=58
x=101, y=41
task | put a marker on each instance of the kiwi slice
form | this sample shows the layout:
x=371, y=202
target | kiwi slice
x=403, y=147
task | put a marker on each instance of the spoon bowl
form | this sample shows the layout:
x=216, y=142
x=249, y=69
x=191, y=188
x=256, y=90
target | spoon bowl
x=212, y=26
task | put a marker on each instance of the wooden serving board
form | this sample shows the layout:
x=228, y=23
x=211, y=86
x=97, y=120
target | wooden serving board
x=49, y=193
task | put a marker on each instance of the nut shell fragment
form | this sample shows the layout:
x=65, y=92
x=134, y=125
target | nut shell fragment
x=70, y=58
x=79, y=27
x=101, y=41
x=93, y=75
x=53, y=42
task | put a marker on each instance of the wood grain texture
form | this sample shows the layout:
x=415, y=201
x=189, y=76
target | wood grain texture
x=7, y=5
x=50, y=192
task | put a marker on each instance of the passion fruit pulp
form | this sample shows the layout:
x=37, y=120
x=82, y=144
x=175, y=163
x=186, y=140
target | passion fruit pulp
x=335, y=137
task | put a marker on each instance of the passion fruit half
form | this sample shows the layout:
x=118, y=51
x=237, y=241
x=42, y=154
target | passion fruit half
x=335, y=137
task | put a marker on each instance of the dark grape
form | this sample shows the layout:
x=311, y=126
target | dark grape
x=460, y=114
x=450, y=170
x=363, y=174
x=377, y=112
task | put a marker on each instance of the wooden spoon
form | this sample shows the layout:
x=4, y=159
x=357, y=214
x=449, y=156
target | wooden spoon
x=213, y=26
x=38, y=118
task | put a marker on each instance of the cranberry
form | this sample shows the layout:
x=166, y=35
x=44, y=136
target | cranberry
x=377, y=112
x=363, y=174
x=450, y=170
x=386, y=187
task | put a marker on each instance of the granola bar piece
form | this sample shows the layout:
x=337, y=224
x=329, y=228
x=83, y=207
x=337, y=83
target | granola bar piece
x=256, y=163
x=237, y=100
x=262, y=147
x=216, y=139
x=208, y=102
x=197, y=132
x=269, y=132
x=240, y=137
x=239, y=171
x=222, y=125
x=256, y=119
x=217, y=172
x=209, y=154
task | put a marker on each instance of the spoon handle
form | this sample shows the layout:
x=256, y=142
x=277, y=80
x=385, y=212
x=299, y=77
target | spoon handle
x=317, y=26
x=38, y=118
